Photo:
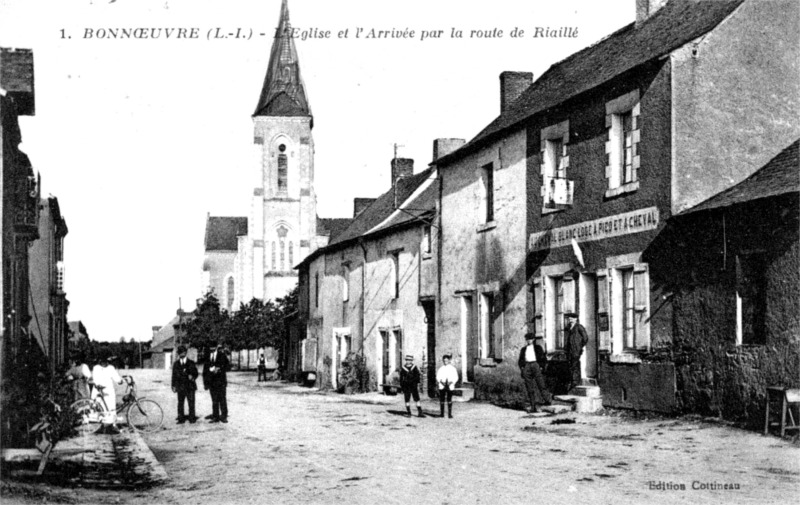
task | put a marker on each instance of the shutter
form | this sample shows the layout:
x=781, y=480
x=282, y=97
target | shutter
x=538, y=307
x=497, y=330
x=641, y=295
x=603, y=312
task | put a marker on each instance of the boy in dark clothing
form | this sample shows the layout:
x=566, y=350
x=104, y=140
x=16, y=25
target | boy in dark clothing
x=409, y=382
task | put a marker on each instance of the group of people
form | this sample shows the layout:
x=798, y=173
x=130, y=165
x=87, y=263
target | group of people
x=99, y=382
x=532, y=359
x=446, y=378
x=215, y=381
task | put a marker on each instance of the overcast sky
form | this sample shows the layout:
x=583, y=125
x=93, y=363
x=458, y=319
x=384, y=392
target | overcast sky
x=140, y=139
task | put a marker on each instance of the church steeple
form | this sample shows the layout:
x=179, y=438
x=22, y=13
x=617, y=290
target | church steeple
x=283, y=93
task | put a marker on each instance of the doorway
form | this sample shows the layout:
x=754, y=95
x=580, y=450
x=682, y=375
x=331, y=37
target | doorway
x=587, y=310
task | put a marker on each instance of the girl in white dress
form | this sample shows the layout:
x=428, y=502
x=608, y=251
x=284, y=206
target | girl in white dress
x=104, y=374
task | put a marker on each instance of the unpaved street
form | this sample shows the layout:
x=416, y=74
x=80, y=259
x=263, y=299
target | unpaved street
x=285, y=444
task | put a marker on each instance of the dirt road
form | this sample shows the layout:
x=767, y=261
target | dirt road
x=286, y=444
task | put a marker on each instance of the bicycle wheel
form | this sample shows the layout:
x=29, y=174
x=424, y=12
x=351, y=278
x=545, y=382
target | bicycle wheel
x=145, y=415
x=88, y=415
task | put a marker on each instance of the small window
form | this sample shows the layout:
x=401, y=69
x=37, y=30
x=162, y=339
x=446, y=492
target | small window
x=291, y=255
x=283, y=255
x=488, y=188
x=628, y=309
x=231, y=293
x=274, y=258
x=283, y=169
x=345, y=283
x=426, y=239
x=396, y=274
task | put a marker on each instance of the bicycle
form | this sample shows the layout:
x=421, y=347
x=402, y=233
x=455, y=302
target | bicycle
x=142, y=414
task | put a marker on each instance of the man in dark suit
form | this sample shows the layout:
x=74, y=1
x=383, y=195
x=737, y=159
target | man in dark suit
x=184, y=374
x=576, y=339
x=216, y=382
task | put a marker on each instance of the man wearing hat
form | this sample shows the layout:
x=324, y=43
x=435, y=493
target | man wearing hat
x=576, y=339
x=409, y=382
x=184, y=374
x=531, y=356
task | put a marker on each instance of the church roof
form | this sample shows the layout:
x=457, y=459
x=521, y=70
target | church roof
x=780, y=175
x=332, y=227
x=283, y=92
x=672, y=26
x=222, y=232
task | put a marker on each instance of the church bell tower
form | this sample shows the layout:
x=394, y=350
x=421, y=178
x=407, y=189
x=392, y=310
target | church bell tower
x=282, y=224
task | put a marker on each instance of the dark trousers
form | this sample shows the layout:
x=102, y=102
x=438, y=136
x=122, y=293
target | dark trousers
x=534, y=384
x=575, y=372
x=188, y=397
x=409, y=391
x=219, y=402
x=262, y=372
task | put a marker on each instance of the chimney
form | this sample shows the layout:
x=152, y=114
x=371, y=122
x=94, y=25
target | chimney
x=443, y=147
x=155, y=330
x=16, y=78
x=401, y=167
x=646, y=8
x=359, y=204
x=512, y=84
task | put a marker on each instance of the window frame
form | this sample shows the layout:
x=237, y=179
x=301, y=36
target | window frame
x=622, y=146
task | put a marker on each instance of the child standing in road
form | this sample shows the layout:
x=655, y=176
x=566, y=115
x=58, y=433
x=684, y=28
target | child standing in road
x=409, y=381
x=446, y=378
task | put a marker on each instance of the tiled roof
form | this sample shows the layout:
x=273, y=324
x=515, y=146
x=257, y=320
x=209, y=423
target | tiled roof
x=781, y=175
x=672, y=26
x=382, y=207
x=221, y=232
x=332, y=227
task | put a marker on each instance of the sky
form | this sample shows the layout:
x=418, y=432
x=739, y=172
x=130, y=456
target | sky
x=140, y=139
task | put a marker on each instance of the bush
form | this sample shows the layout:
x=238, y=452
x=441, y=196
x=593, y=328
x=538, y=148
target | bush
x=354, y=377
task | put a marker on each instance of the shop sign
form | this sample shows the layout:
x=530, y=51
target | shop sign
x=606, y=227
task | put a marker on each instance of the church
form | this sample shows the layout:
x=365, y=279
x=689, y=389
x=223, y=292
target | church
x=254, y=257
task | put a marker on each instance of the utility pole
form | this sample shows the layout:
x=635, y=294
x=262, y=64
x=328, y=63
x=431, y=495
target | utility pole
x=180, y=324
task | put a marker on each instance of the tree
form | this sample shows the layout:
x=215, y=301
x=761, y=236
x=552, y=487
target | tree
x=209, y=324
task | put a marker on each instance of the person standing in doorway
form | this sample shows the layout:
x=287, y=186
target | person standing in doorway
x=531, y=358
x=409, y=381
x=262, y=368
x=446, y=378
x=184, y=374
x=576, y=339
x=215, y=381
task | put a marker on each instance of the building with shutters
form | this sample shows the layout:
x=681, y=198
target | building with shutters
x=611, y=143
x=372, y=290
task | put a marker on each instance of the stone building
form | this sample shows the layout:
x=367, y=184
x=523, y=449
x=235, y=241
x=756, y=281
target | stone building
x=610, y=143
x=372, y=290
x=736, y=327
x=48, y=300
